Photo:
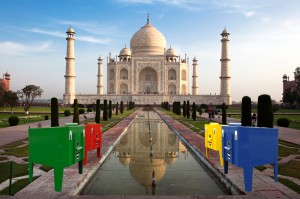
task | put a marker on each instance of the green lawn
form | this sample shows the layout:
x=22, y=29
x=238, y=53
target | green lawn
x=18, y=170
x=290, y=184
x=36, y=114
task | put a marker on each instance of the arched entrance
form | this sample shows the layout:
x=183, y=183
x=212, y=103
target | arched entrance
x=148, y=81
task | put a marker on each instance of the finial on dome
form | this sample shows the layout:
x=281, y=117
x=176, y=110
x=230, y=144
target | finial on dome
x=148, y=20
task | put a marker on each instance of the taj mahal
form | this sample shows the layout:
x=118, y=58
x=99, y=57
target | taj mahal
x=147, y=73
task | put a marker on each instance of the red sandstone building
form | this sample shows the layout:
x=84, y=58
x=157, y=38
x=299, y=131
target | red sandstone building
x=5, y=82
x=287, y=84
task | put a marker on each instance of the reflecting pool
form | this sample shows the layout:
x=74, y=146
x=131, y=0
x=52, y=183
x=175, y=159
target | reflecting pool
x=151, y=160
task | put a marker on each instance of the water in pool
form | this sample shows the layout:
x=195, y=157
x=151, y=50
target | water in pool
x=151, y=160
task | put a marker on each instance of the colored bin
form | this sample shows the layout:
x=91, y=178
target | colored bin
x=213, y=139
x=93, y=139
x=248, y=147
x=56, y=147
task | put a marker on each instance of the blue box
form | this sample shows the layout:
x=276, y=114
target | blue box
x=249, y=147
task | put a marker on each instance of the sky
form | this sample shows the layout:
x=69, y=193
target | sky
x=264, y=40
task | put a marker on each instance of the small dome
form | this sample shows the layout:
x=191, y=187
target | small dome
x=171, y=53
x=70, y=30
x=125, y=52
x=148, y=40
x=225, y=32
x=284, y=76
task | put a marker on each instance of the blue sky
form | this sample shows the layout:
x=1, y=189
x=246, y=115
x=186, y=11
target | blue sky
x=264, y=40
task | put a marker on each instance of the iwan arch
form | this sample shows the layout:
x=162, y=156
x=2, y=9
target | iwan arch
x=147, y=73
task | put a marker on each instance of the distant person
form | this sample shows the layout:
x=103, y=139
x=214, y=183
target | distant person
x=253, y=119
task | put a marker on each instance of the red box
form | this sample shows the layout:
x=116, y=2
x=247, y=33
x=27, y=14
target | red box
x=93, y=139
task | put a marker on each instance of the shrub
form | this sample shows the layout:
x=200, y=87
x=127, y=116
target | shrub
x=105, y=115
x=121, y=107
x=188, y=109
x=109, y=109
x=224, y=116
x=246, y=119
x=283, y=122
x=13, y=120
x=75, y=112
x=98, y=110
x=67, y=113
x=81, y=111
x=184, y=109
x=54, y=112
x=46, y=117
x=194, y=111
x=264, y=111
x=117, y=108
x=89, y=109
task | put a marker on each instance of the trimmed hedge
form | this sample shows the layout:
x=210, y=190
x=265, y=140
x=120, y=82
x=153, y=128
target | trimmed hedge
x=67, y=113
x=13, y=120
x=283, y=122
x=81, y=111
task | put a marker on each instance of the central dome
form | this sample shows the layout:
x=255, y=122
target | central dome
x=148, y=40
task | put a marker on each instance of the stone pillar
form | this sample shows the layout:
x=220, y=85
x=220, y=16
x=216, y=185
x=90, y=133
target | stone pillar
x=100, y=77
x=195, y=77
x=69, y=94
x=225, y=76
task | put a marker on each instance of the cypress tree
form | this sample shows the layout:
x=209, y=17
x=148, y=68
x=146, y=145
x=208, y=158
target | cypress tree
x=184, y=109
x=117, y=108
x=105, y=110
x=224, y=117
x=54, y=112
x=98, y=110
x=188, y=109
x=76, y=112
x=264, y=111
x=109, y=109
x=121, y=107
x=194, y=111
x=179, y=108
x=246, y=119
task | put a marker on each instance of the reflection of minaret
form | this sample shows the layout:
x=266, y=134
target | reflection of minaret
x=100, y=77
x=69, y=94
x=195, y=77
x=153, y=186
x=225, y=78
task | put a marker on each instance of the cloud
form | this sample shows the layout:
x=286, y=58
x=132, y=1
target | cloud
x=249, y=13
x=243, y=7
x=89, y=39
x=90, y=27
x=12, y=48
x=93, y=40
x=46, y=32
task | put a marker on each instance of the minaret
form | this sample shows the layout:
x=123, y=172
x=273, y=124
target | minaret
x=69, y=94
x=100, y=77
x=195, y=77
x=225, y=78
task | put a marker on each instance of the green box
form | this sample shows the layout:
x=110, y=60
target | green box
x=57, y=147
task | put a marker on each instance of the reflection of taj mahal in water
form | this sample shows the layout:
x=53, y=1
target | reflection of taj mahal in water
x=147, y=154
x=147, y=73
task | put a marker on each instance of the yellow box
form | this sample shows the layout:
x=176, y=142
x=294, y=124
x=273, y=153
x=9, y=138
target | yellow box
x=213, y=139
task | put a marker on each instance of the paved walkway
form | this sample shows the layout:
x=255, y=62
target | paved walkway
x=15, y=133
x=263, y=186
